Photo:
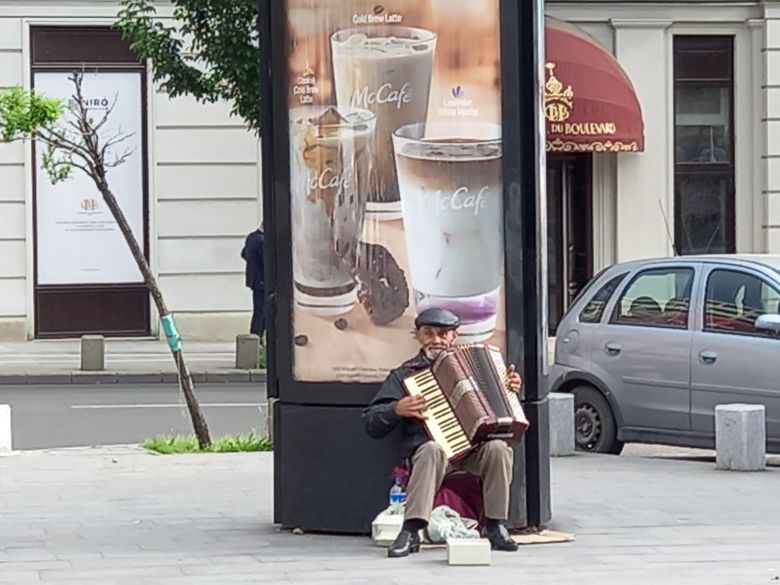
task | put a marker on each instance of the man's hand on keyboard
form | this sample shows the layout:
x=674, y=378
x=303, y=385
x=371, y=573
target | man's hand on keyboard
x=411, y=407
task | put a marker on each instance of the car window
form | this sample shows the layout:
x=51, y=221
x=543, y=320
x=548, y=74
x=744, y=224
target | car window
x=736, y=299
x=595, y=308
x=585, y=290
x=659, y=297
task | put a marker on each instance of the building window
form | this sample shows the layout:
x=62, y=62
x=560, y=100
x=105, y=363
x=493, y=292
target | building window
x=704, y=144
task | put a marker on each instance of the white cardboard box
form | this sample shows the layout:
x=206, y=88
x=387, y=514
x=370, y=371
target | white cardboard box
x=385, y=528
x=468, y=551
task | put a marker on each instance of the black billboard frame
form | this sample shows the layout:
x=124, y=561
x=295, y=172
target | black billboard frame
x=521, y=79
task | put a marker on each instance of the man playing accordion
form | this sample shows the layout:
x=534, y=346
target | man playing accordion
x=436, y=331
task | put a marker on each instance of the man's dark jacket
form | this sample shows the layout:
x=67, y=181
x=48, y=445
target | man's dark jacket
x=253, y=254
x=380, y=418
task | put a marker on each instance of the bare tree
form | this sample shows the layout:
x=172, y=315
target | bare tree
x=84, y=143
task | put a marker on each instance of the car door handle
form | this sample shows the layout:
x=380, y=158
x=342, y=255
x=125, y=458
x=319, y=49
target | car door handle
x=612, y=349
x=708, y=357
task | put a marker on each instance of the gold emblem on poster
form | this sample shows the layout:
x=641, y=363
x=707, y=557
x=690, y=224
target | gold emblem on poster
x=558, y=102
x=89, y=204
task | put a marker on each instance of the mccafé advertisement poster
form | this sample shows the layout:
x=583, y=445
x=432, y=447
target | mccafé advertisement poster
x=395, y=178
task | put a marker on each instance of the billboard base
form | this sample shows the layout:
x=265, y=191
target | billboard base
x=330, y=476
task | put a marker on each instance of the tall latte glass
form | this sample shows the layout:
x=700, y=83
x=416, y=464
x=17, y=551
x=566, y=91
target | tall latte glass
x=330, y=166
x=387, y=70
x=451, y=191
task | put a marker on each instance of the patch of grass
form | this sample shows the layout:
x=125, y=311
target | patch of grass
x=262, y=358
x=177, y=444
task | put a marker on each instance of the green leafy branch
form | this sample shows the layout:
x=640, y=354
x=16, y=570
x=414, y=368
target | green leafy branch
x=76, y=143
x=211, y=53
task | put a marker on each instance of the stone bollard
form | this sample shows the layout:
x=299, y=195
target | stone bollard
x=93, y=353
x=740, y=437
x=247, y=351
x=561, y=424
x=5, y=429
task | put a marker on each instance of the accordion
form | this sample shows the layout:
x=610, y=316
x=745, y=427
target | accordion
x=468, y=399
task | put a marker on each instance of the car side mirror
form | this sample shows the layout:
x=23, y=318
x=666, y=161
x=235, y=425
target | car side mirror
x=769, y=323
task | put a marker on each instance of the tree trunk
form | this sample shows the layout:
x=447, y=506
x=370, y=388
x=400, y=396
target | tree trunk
x=185, y=380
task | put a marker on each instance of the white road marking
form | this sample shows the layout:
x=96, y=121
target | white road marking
x=169, y=405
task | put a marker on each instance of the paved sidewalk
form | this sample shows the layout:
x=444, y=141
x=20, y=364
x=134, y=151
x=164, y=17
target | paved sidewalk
x=127, y=361
x=119, y=516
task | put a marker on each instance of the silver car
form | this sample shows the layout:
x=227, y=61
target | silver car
x=649, y=349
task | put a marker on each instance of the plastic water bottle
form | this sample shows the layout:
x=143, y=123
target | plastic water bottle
x=397, y=496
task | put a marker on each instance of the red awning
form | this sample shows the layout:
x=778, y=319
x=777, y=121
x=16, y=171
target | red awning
x=589, y=102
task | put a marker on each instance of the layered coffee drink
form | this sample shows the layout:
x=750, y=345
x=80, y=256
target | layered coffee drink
x=386, y=70
x=330, y=168
x=452, y=195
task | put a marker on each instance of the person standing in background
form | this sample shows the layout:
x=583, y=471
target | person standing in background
x=255, y=279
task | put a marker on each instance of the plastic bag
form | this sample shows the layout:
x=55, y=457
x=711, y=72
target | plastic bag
x=447, y=523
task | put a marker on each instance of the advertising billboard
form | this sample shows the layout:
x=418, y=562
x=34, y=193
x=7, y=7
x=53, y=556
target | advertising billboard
x=78, y=240
x=396, y=188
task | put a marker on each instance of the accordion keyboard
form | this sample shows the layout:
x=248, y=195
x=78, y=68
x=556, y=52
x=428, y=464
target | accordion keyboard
x=442, y=424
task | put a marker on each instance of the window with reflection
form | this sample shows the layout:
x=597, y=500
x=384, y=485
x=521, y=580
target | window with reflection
x=704, y=144
x=736, y=299
x=593, y=311
x=659, y=297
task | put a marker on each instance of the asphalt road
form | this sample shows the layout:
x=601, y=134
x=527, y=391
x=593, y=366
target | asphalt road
x=45, y=417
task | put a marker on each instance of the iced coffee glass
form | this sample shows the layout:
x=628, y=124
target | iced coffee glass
x=330, y=166
x=385, y=69
x=452, y=196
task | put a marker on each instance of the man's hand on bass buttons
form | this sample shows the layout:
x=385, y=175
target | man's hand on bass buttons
x=514, y=380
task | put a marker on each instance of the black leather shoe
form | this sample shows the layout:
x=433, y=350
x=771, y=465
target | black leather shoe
x=406, y=542
x=499, y=538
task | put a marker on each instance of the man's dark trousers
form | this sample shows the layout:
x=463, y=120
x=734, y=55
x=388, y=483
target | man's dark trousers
x=258, y=312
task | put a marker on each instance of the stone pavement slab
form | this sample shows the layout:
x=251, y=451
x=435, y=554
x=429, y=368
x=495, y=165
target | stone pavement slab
x=121, y=516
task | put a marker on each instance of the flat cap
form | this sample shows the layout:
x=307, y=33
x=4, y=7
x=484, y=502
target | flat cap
x=436, y=317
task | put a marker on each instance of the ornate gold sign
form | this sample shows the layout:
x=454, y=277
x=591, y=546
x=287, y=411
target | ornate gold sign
x=558, y=102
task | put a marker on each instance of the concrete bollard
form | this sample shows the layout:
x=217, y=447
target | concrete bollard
x=93, y=353
x=5, y=429
x=561, y=424
x=247, y=351
x=740, y=437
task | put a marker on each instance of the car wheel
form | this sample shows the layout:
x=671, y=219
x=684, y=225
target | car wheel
x=595, y=430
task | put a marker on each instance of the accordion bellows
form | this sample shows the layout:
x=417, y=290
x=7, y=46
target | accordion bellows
x=468, y=399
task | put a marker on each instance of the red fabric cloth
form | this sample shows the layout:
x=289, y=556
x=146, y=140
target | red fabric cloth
x=460, y=491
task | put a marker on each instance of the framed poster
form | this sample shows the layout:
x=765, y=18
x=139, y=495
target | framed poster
x=401, y=156
x=396, y=188
x=78, y=241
